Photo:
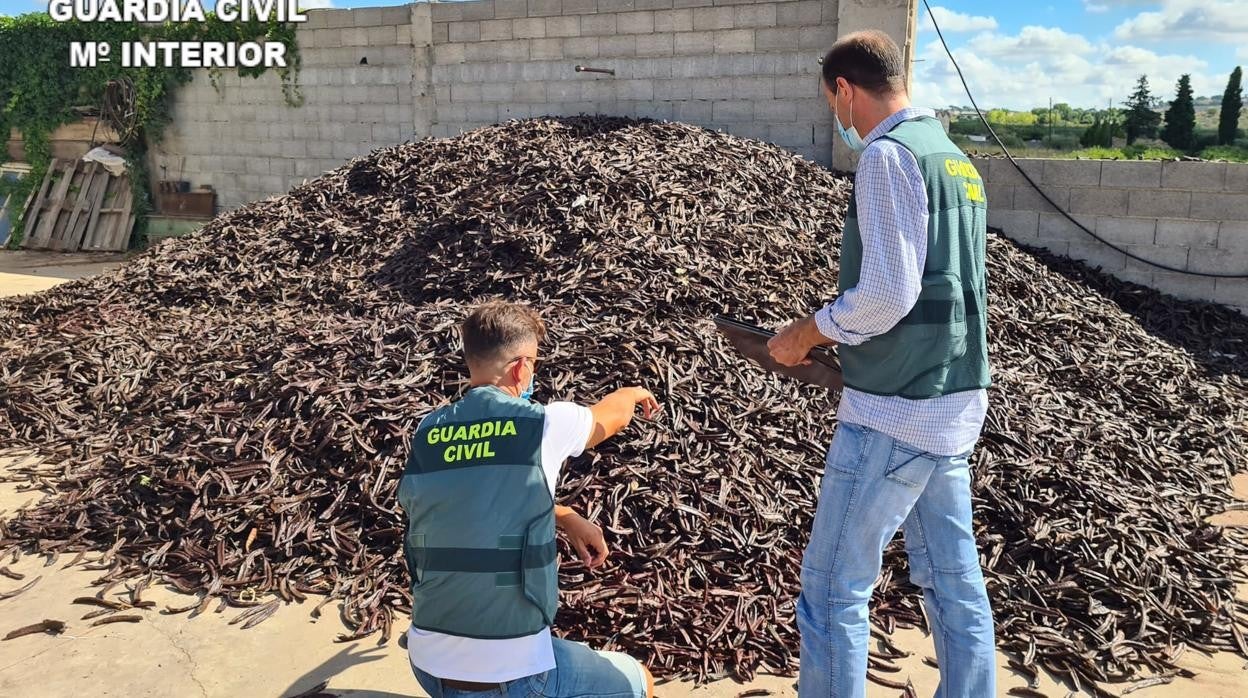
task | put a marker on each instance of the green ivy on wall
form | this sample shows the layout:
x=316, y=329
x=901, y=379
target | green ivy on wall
x=39, y=90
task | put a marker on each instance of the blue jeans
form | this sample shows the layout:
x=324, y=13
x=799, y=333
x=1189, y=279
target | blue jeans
x=579, y=672
x=872, y=486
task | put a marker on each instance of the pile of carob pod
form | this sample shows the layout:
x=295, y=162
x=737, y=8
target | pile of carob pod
x=228, y=413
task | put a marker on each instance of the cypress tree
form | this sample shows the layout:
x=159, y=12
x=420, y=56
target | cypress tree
x=1180, y=129
x=1141, y=119
x=1232, y=104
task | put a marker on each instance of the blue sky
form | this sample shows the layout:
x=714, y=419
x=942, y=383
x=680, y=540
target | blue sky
x=1083, y=52
x=1018, y=53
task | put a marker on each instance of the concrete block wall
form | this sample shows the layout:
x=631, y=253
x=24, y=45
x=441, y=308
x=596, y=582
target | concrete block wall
x=242, y=137
x=748, y=67
x=1187, y=215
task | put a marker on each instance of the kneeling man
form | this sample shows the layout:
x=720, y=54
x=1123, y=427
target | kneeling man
x=478, y=491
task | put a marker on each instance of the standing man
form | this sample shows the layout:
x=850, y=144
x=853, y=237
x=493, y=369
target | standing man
x=910, y=320
x=478, y=491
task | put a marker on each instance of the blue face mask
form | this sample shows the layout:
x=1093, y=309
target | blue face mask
x=528, y=392
x=850, y=135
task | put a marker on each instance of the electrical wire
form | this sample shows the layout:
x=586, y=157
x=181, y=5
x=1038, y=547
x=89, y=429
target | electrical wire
x=1035, y=186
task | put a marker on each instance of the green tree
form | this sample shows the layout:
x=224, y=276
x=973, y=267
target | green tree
x=1232, y=104
x=1180, y=129
x=1099, y=134
x=1141, y=119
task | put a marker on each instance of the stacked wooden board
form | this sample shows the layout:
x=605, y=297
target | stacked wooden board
x=80, y=206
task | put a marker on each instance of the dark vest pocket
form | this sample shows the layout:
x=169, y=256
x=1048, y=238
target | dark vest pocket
x=540, y=577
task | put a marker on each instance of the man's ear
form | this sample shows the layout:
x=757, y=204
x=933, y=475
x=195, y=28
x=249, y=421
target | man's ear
x=843, y=86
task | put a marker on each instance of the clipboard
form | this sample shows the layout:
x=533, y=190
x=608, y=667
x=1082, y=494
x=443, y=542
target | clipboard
x=824, y=369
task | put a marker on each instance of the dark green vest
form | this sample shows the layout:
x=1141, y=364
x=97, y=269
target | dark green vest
x=941, y=346
x=480, y=542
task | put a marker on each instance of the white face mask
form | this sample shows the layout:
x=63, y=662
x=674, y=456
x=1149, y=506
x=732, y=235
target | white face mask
x=850, y=135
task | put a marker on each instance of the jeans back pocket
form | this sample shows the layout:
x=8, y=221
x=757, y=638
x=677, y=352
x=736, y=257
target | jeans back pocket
x=910, y=466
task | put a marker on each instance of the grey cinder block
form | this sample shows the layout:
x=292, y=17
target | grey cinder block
x=1056, y=227
x=734, y=41
x=635, y=22
x=1130, y=175
x=798, y=14
x=465, y=31
x=1130, y=231
x=1219, y=207
x=496, y=30
x=1194, y=176
x=673, y=21
x=1071, y=173
x=581, y=47
x=479, y=9
x=1233, y=237
x=655, y=44
x=1097, y=254
x=510, y=9
x=712, y=18
x=695, y=43
x=1017, y=225
x=1144, y=202
x=762, y=15
x=598, y=25
x=1099, y=200
x=732, y=110
x=1028, y=199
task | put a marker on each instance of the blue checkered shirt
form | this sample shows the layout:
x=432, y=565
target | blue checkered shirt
x=892, y=220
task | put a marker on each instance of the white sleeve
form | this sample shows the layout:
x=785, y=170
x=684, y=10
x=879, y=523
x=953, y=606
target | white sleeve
x=567, y=429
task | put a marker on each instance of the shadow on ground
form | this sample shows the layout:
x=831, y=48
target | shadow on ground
x=313, y=683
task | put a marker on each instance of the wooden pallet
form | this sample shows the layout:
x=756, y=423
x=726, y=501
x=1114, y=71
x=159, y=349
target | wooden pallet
x=112, y=218
x=80, y=206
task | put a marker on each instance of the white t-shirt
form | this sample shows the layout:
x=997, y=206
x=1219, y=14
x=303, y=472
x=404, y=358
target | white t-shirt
x=568, y=426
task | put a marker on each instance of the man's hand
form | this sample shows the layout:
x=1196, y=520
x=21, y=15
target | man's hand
x=586, y=538
x=792, y=345
x=615, y=411
x=646, y=400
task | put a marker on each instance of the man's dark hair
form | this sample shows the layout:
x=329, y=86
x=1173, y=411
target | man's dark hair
x=868, y=59
x=497, y=327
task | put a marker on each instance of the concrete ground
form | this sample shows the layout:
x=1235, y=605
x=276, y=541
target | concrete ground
x=31, y=271
x=170, y=655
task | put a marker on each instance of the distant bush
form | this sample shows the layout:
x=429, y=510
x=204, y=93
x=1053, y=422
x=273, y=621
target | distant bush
x=967, y=127
x=1062, y=142
x=1011, y=140
x=1206, y=139
x=1225, y=152
x=1138, y=152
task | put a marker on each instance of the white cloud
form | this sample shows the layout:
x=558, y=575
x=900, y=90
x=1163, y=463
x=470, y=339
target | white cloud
x=1242, y=53
x=1107, y=5
x=1204, y=20
x=1030, y=41
x=315, y=4
x=954, y=22
x=1022, y=71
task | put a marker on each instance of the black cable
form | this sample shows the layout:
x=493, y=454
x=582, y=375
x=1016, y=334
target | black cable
x=118, y=109
x=1035, y=186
